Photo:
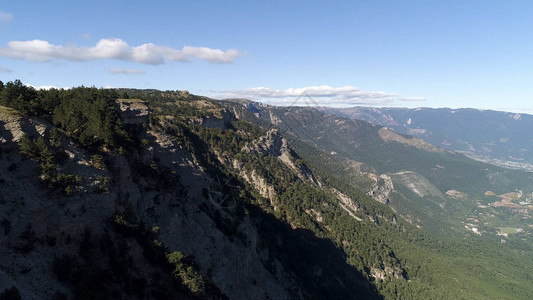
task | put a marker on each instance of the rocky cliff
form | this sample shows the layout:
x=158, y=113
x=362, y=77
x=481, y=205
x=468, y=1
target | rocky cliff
x=161, y=184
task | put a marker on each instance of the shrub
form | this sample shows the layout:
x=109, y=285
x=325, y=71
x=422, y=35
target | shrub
x=98, y=161
x=188, y=276
x=35, y=148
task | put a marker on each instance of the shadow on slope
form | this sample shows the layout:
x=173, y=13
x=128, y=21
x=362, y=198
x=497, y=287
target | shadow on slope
x=318, y=267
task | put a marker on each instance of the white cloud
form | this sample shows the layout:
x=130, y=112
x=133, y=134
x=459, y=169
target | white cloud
x=85, y=36
x=314, y=95
x=126, y=72
x=47, y=87
x=412, y=99
x=4, y=70
x=212, y=55
x=5, y=17
x=39, y=50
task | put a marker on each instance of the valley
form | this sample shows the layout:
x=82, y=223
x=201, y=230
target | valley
x=253, y=150
x=200, y=198
x=500, y=138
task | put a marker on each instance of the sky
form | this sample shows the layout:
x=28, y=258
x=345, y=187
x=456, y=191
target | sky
x=449, y=53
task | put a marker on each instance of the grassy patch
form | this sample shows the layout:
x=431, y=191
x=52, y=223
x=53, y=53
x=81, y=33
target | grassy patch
x=130, y=100
x=6, y=110
x=508, y=230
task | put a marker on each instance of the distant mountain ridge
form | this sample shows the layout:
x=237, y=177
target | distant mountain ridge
x=411, y=175
x=501, y=138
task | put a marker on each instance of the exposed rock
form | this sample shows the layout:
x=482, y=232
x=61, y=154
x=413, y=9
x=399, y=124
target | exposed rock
x=260, y=184
x=272, y=143
x=382, y=187
x=315, y=214
x=347, y=203
x=274, y=119
x=235, y=266
x=17, y=126
x=223, y=121
x=418, y=184
x=385, y=273
x=456, y=195
x=133, y=111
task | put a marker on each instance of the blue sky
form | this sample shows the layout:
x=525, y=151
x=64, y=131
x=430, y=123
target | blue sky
x=388, y=53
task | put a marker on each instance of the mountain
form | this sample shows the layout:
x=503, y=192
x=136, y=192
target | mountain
x=145, y=194
x=430, y=183
x=501, y=138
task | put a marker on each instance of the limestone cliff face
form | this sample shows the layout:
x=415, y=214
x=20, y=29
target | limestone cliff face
x=235, y=266
x=272, y=143
x=189, y=221
x=382, y=188
x=195, y=182
x=26, y=201
x=133, y=111
x=222, y=121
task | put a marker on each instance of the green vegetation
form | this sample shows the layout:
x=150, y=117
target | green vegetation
x=415, y=264
x=98, y=161
x=328, y=244
x=38, y=149
x=85, y=114
x=105, y=266
x=6, y=110
x=192, y=279
x=35, y=148
x=182, y=268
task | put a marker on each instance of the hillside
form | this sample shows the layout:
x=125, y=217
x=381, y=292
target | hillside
x=135, y=194
x=434, y=187
x=501, y=138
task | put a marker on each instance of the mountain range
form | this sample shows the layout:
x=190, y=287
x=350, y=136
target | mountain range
x=501, y=138
x=147, y=194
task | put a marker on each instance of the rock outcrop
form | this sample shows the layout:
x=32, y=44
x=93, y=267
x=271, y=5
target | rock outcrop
x=272, y=143
x=133, y=111
x=235, y=266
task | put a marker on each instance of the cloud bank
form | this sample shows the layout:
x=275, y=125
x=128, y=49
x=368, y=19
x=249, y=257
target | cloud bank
x=126, y=72
x=39, y=50
x=316, y=95
x=5, y=17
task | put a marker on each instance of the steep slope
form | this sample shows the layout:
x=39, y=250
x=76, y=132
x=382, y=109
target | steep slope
x=423, y=176
x=399, y=259
x=157, y=218
x=171, y=195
